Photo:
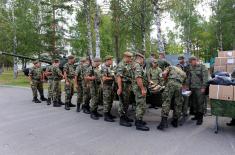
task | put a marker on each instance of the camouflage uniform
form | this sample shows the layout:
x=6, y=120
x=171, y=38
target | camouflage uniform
x=154, y=74
x=69, y=89
x=37, y=84
x=79, y=74
x=86, y=87
x=197, y=79
x=50, y=82
x=139, y=72
x=56, y=72
x=173, y=92
x=107, y=88
x=162, y=63
x=124, y=71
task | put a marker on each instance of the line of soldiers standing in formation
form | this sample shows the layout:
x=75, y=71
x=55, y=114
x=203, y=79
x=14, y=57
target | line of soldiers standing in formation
x=95, y=81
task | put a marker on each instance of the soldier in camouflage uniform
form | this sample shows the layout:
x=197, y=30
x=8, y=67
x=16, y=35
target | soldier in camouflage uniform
x=124, y=88
x=36, y=78
x=196, y=82
x=139, y=84
x=108, y=81
x=69, y=74
x=162, y=62
x=79, y=82
x=93, y=76
x=154, y=73
x=50, y=83
x=57, y=77
x=175, y=78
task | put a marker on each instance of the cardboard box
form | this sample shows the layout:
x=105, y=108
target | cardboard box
x=220, y=68
x=230, y=68
x=220, y=61
x=226, y=54
x=221, y=92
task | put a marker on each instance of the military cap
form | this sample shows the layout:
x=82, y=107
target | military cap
x=56, y=60
x=71, y=57
x=139, y=54
x=154, y=61
x=83, y=59
x=97, y=59
x=35, y=62
x=192, y=58
x=181, y=57
x=108, y=57
x=129, y=54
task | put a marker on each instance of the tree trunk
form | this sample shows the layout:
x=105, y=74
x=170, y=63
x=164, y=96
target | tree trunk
x=97, y=31
x=158, y=24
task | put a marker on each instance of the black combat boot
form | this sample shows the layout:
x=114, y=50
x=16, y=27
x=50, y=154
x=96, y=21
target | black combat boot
x=49, y=101
x=231, y=123
x=78, y=107
x=43, y=98
x=94, y=116
x=194, y=118
x=130, y=120
x=140, y=126
x=98, y=114
x=124, y=122
x=163, y=124
x=36, y=100
x=66, y=107
x=71, y=105
x=174, y=122
x=107, y=117
x=60, y=102
x=111, y=116
x=86, y=109
x=200, y=118
x=56, y=104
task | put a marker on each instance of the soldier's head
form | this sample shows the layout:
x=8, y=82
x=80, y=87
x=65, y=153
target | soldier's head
x=139, y=58
x=193, y=61
x=153, y=55
x=83, y=60
x=96, y=62
x=36, y=63
x=162, y=55
x=108, y=60
x=127, y=57
x=56, y=62
x=181, y=59
x=71, y=59
x=154, y=63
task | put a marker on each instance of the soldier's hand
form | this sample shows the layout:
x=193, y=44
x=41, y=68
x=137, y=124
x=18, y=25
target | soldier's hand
x=143, y=92
x=203, y=90
x=119, y=91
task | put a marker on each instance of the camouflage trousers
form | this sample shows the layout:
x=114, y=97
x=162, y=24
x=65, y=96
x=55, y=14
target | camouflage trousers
x=37, y=86
x=50, y=88
x=172, y=95
x=140, y=104
x=95, y=91
x=185, y=106
x=86, y=94
x=56, y=90
x=124, y=99
x=197, y=101
x=69, y=91
x=107, y=97
x=80, y=92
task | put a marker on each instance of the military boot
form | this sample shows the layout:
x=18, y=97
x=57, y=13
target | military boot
x=163, y=124
x=98, y=114
x=174, y=122
x=194, y=118
x=56, y=104
x=94, y=116
x=78, y=107
x=107, y=117
x=130, y=120
x=140, y=126
x=200, y=118
x=231, y=123
x=43, y=98
x=36, y=100
x=60, y=102
x=111, y=116
x=124, y=122
x=49, y=101
x=86, y=109
x=66, y=107
x=71, y=105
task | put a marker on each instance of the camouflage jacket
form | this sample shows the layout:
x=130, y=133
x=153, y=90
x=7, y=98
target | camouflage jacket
x=155, y=75
x=97, y=73
x=109, y=72
x=124, y=70
x=138, y=72
x=197, y=76
x=49, y=69
x=176, y=74
x=162, y=63
x=69, y=69
x=56, y=73
x=36, y=73
x=79, y=72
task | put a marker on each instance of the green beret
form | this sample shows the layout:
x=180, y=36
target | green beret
x=129, y=54
x=83, y=59
x=139, y=54
x=108, y=57
x=71, y=57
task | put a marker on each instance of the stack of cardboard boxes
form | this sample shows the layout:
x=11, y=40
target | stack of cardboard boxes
x=224, y=62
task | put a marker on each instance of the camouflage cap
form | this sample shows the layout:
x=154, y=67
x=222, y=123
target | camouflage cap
x=56, y=60
x=35, y=62
x=192, y=58
x=71, y=57
x=154, y=61
x=181, y=57
x=83, y=59
x=97, y=59
x=108, y=57
x=139, y=54
x=129, y=54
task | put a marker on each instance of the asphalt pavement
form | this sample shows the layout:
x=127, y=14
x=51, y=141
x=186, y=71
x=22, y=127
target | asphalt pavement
x=27, y=128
